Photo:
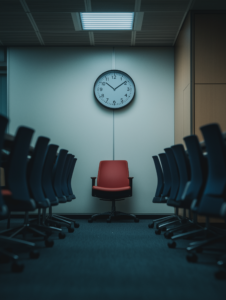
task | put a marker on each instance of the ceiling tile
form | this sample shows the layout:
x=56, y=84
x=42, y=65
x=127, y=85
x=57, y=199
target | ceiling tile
x=15, y=22
x=19, y=39
x=66, y=39
x=54, y=22
x=113, y=6
x=161, y=20
x=164, y=5
x=209, y=5
x=56, y=5
x=114, y=38
x=7, y=6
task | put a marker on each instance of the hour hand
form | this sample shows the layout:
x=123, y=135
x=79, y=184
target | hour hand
x=110, y=85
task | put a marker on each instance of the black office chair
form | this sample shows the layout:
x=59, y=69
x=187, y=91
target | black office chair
x=57, y=176
x=34, y=179
x=184, y=177
x=65, y=190
x=70, y=178
x=213, y=200
x=16, y=183
x=199, y=171
x=159, y=190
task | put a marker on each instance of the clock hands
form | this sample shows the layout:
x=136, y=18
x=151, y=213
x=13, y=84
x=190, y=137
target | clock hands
x=110, y=85
x=119, y=85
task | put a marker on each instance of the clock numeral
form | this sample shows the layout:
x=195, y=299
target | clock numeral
x=126, y=95
x=107, y=99
x=114, y=77
x=101, y=89
x=121, y=100
x=125, y=83
x=102, y=95
x=107, y=79
x=114, y=102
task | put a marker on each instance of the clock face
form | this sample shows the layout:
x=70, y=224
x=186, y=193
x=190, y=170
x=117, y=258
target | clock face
x=114, y=89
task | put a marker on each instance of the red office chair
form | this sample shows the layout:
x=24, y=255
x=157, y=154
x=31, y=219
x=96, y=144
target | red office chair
x=113, y=184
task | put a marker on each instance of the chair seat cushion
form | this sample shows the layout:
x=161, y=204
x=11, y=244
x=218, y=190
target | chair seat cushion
x=104, y=189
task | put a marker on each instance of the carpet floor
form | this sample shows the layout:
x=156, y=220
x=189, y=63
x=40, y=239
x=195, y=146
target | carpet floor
x=120, y=260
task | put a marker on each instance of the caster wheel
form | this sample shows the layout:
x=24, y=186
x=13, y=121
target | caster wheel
x=157, y=231
x=172, y=244
x=17, y=267
x=163, y=229
x=136, y=220
x=199, y=250
x=34, y=254
x=108, y=220
x=76, y=225
x=62, y=235
x=192, y=257
x=70, y=230
x=151, y=225
x=168, y=235
x=90, y=220
x=220, y=274
x=49, y=243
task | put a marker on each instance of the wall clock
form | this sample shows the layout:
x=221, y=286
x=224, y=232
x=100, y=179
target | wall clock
x=114, y=89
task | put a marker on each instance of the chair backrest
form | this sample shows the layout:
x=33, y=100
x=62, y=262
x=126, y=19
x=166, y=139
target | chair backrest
x=199, y=169
x=216, y=156
x=160, y=184
x=47, y=173
x=66, y=170
x=175, y=179
x=3, y=124
x=58, y=171
x=113, y=173
x=16, y=166
x=166, y=175
x=183, y=168
x=35, y=168
x=70, y=176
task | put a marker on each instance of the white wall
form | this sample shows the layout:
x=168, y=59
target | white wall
x=51, y=90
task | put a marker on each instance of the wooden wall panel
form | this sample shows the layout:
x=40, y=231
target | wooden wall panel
x=181, y=82
x=210, y=106
x=187, y=111
x=210, y=48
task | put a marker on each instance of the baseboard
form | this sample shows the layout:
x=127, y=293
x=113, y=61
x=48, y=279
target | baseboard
x=87, y=216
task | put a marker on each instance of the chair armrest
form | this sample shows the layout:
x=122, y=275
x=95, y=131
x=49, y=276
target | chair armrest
x=93, y=180
x=131, y=181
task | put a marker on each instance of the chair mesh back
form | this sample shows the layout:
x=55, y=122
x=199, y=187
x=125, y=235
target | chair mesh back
x=113, y=173
x=175, y=179
x=34, y=170
x=66, y=169
x=58, y=171
x=183, y=168
x=166, y=175
x=198, y=164
x=216, y=155
x=3, y=124
x=160, y=184
x=47, y=184
x=16, y=167
x=70, y=176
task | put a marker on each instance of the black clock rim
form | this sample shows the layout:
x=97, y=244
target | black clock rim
x=115, y=71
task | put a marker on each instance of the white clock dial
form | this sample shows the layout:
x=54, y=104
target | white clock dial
x=114, y=89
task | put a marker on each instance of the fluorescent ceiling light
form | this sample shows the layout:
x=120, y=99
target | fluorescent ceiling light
x=107, y=21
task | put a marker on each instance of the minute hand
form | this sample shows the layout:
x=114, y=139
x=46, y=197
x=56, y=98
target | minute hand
x=120, y=85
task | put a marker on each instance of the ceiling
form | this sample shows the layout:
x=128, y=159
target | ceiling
x=50, y=22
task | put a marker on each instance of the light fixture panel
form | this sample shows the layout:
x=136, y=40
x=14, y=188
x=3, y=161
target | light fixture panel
x=107, y=21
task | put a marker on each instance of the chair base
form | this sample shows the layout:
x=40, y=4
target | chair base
x=113, y=214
